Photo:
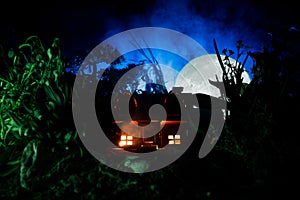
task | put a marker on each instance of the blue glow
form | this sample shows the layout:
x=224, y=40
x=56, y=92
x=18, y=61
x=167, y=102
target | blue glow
x=216, y=21
x=163, y=57
x=226, y=26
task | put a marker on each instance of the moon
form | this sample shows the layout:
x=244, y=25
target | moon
x=194, y=76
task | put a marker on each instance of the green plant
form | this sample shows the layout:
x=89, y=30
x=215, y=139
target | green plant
x=40, y=153
x=31, y=70
x=35, y=102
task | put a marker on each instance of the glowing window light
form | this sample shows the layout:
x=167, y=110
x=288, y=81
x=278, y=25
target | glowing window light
x=171, y=141
x=170, y=137
x=126, y=140
x=122, y=143
x=123, y=137
x=174, y=139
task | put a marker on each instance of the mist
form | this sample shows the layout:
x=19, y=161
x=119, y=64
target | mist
x=225, y=21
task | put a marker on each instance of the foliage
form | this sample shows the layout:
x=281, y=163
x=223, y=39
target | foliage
x=259, y=118
x=41, y=156
x=35, y=102
x=40, y=153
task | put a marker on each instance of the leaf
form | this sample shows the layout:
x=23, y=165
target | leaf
x=16, y=135
x=38, y=57
x=9, y=171
x=49, y=53
x=67, y=137
x=50, y=105
x=16, y=120
x=55, y=115
x=55, y=42
x=53, y=95
x=25, y=45
x=230, y=52
x=31, y=38
x=80, y=152
x=11, y=53
x=37, y=114
x=55, y=73
x=27, y=109
x=14, y=162
x=1, y=79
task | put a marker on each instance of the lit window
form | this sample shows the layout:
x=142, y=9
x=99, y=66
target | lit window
x=122, y=143
x=174, y=139
x=177, y=137
x=170, y=137
x=123, y=137
x=126, y=140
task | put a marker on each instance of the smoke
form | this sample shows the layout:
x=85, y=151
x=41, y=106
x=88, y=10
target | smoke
x=226, y=21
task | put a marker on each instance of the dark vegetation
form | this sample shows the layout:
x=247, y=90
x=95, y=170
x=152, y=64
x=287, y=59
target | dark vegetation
x=42, y=157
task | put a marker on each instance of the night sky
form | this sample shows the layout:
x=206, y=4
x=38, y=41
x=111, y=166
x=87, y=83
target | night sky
x=84, y=24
